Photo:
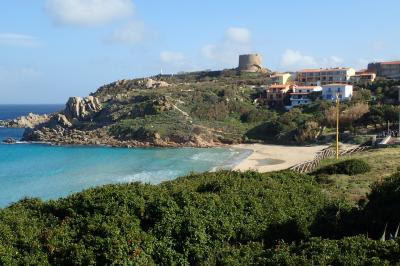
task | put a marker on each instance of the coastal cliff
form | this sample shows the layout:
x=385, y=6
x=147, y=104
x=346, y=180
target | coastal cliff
x=202, y=109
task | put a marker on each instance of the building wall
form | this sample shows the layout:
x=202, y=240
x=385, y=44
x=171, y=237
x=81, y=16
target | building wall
x=329, y=92
x=365, y=78
x=277, y=93
x=301, y=95
x=281, y=79
x=386, y=69
x=319, y=77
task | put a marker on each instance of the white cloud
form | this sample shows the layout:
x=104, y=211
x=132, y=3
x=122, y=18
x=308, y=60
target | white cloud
x=172, y=57
x=238, y=35
x=331, y=61
x=296, y=60
x=18, y=40
x=235, y=42
x=131, y=33
x=88, y=12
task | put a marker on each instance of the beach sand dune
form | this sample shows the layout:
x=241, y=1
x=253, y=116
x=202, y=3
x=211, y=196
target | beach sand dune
x=267, y=158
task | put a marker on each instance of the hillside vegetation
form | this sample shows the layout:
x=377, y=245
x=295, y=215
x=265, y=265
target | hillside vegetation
x=230, y=107
x=222, y=218
x=211, y=108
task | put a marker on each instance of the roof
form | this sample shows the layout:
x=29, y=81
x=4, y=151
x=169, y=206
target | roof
x=279, y=86
x=279, y=74
x=391, y=63
x=300, y=93
x=367, y=74
x=306, y=87
x=324, y=69
x=336, y=84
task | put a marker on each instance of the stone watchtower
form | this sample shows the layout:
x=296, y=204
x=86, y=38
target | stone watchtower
x=250, y=63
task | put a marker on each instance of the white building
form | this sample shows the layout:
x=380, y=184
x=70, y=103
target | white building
x=301, y=95
x=329, y=92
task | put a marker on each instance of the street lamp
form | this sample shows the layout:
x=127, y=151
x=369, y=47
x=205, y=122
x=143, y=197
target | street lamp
x=398, y=103
x=337, y=124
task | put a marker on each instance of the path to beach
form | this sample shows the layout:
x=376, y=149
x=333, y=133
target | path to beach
x=266, y=158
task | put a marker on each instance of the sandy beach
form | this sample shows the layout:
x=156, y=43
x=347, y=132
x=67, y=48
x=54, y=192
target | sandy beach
x=267, y=158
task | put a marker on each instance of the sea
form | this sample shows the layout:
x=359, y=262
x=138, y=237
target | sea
x=51, y=172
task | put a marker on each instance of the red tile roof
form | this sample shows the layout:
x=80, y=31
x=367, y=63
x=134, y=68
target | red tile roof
x=391, y=63
x=336, y=84
x=300, y=93
x=306, y=87
x=324, y=69
x=278, y=86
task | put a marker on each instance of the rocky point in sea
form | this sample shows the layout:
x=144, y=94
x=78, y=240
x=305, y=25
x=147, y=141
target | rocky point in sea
x=29, y=121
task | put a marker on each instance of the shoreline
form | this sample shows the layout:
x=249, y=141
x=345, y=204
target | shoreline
x=268, y=158
x=258, y=157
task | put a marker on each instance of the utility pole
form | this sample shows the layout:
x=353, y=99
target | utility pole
x=337, y=125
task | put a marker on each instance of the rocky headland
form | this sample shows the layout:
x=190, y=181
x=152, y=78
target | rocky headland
x=198, y=109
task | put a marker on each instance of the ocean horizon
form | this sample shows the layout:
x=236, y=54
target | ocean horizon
x=50, y=172
x=11, y=111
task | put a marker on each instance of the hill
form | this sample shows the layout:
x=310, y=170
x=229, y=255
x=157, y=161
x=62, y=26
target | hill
x=195, y=109
x=210, y=108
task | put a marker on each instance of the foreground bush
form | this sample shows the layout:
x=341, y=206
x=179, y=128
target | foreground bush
x=348, y=167
x=383, y=207
x=358, y=250
x=223, y=218
x=193, y=220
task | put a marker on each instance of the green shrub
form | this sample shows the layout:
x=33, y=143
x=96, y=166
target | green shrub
x=358, y=250
x=206, y=219
x=254, y=116
x=348, y=167
x=383, y=206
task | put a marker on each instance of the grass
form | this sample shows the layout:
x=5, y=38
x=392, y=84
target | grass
x=383, y=162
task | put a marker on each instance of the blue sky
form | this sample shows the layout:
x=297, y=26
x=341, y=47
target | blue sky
x=53, y=49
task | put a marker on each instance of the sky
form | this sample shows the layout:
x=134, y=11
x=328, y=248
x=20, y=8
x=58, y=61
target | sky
x=53, y=49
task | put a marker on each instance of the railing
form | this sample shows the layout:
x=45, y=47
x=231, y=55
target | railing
x=309, y=166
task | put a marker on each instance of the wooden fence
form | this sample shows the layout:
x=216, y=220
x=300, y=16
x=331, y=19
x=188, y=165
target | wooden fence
x=309, y=166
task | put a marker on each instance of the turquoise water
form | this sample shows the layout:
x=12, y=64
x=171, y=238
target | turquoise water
x=48, y=172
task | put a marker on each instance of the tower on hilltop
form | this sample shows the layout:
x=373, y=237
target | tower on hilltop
x=250, y=63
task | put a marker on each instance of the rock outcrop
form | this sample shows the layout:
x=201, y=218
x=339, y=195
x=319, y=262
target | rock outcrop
x=10, y=141
x=154, y=84
x=77, y=109
x=72, y=136
x=29, y=121
x=81, y=108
